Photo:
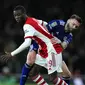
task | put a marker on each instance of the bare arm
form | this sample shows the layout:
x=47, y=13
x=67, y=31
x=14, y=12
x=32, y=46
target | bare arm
x=64, y=44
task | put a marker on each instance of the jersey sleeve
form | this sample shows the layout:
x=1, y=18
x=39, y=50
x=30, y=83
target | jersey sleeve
x=69, y=38
x=22, y=47
x=43, y=23
x=29, y=31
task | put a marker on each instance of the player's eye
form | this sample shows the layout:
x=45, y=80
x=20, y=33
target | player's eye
x=17, y=14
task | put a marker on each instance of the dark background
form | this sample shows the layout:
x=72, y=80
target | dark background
x=11, y=34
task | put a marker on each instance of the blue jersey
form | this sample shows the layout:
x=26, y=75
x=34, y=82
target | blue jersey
x=56, y=28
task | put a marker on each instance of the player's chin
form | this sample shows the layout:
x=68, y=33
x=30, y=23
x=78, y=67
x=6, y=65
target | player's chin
x=18, y=21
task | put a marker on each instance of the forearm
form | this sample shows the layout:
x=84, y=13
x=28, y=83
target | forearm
x=22, y=47
x=64, y=44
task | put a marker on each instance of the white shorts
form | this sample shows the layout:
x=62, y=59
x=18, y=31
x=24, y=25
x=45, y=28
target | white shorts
x=52, y=63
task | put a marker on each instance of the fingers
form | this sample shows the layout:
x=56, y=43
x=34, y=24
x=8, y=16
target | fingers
x=4, y=58
x=6, y=52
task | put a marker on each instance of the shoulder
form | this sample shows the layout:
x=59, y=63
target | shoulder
x=28, y=27
x=29, y=20
x=62, y=22
x=42, y=22
x=56, y=22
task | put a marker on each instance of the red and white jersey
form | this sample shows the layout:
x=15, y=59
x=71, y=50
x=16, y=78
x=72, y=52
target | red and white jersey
x=33, y=29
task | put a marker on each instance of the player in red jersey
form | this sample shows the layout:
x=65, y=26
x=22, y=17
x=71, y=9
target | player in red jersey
x=49, y=44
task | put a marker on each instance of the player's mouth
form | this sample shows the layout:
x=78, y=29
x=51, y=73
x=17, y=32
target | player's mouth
x=18, y=20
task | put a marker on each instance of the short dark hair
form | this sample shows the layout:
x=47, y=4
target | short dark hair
x=74, y=16
x=19, y=7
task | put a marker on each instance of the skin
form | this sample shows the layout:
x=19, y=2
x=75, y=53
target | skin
x=66, y=72
x=72, y=24
x=31, y=56
x=19, y=16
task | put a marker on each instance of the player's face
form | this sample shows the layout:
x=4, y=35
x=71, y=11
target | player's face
x=18, y=15
x=72, y=24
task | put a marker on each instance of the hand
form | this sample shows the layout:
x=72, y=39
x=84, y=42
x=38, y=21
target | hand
x=64, y=45
x=55, y=40
x=6, y=57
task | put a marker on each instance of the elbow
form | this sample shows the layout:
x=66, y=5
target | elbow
x=27, y=42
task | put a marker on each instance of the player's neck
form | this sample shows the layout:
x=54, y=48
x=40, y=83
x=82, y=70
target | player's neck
x=26, y=17
x=65, y=29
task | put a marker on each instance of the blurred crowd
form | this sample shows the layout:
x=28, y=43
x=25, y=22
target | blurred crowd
x=11, y=34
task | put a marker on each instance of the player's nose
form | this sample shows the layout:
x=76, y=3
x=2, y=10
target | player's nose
x=74, y=26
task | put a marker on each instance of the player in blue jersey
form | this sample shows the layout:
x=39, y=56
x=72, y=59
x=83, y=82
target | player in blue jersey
x=61, y=30
x=57, y=28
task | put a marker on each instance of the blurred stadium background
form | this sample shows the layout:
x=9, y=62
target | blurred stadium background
x=11, y=36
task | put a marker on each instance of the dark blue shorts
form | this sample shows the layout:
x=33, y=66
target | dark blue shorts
x=34, y=46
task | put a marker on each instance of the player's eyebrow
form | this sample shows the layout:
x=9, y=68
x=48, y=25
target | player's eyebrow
x=76, y=22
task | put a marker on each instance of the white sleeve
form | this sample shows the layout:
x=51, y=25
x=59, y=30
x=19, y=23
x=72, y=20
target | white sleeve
x=43, y=23
x=22, y=47
x=29, y=30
